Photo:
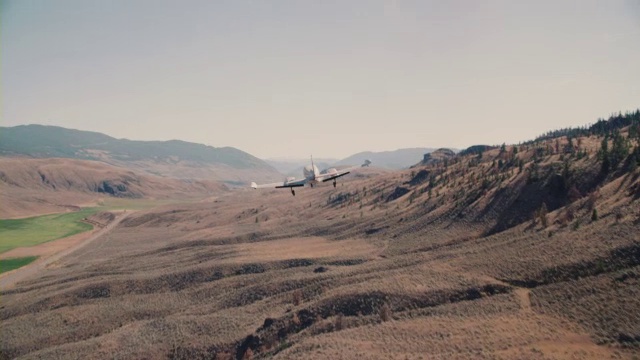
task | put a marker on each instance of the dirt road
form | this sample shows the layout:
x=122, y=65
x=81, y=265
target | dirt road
x=9, y=279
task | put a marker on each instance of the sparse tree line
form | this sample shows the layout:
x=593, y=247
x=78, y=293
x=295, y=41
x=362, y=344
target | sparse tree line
x=480, y=171
x=465, y=178
x=600, y=128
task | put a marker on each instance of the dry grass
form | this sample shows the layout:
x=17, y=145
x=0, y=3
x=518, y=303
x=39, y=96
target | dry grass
x=308, y=248
x=460, y=273
x=31, y=187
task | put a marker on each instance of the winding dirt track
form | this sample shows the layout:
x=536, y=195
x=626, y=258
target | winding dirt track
x=11, y=278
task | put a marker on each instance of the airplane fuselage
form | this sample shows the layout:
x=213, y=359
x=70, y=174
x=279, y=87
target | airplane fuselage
x=312, y=176
x=310, y=172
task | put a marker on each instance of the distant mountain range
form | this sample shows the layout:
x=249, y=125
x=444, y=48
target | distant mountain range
x=394, y=160
x=174, y=158
x=178, y=159
x=293, y=167
x=391, y=160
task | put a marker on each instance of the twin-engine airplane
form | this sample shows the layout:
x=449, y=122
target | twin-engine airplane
x=312, y=176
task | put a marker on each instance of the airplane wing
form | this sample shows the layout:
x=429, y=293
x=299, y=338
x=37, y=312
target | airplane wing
x=284, y=184
x=335, y=175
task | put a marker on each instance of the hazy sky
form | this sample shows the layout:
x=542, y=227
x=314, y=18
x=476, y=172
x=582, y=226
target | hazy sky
x=329, y=78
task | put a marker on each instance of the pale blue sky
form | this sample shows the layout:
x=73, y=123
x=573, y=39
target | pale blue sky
x=291, y=78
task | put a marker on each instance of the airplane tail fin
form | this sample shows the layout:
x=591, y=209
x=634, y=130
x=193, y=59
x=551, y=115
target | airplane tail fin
x=313, y=167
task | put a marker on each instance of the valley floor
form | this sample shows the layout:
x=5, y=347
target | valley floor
x=263, y=274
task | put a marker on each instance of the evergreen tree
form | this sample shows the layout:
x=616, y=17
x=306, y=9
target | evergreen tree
x=566, y=175
x=634, y=160
x=633, y=131
x=569, y=149
x=603, y=155
x=619, y=149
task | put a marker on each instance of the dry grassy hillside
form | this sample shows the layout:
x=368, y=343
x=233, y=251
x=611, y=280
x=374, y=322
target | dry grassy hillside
x=184, y=169
x=528, y=253
x=174, y=158
x=35, y=186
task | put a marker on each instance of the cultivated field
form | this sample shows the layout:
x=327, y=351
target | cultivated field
x=14, y=263
x=23, y=240
x=36, y=230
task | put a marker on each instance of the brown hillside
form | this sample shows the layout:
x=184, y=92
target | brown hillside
x=35, y=186
x=183, y=169
x=495, y=255
x=174, y=158
x=437, y=156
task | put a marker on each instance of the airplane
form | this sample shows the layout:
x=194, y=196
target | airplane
x=312, y=176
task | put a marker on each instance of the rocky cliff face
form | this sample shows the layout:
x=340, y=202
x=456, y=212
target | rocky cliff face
x=439, y=156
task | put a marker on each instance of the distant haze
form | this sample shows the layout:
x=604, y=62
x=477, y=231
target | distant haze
x=329, y=78
x=398, y=159
x=392, y=160
x=293, y=167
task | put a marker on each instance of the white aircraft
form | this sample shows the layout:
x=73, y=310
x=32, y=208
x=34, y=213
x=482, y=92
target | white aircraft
x=312, y=176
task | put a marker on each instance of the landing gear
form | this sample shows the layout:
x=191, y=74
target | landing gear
x=334, y=183
x=293, y=192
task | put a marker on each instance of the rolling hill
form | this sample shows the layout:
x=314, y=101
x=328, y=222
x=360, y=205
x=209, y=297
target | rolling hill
x=36, y=186
x=174, y=158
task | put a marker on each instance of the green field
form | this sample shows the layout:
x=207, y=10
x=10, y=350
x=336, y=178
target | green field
x=14, y=263
x=39, y=229
x=36, y=230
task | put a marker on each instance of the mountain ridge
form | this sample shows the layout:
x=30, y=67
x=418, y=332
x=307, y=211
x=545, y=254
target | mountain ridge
x=393, y=159
x=45, y=141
